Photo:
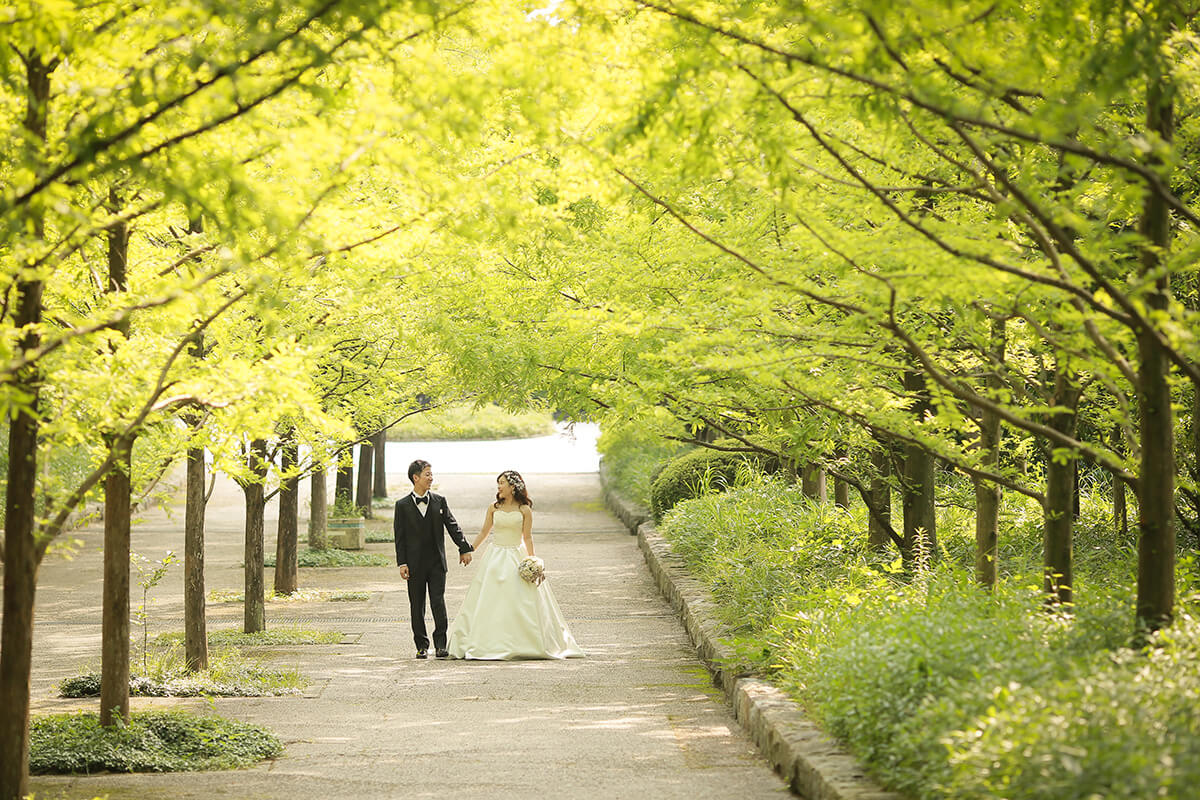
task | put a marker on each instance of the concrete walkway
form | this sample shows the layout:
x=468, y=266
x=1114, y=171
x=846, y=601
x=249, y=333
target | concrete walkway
x=637, y=718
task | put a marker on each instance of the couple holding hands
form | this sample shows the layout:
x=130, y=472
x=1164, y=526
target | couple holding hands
x=507, y=613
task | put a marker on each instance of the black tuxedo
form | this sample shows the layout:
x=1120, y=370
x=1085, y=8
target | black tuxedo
x=421, y=544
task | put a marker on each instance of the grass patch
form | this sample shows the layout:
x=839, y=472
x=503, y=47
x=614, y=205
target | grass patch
x=163, y=674
x=463, y=421
x=154, y=741
x=276, y=636
x=380, y=536
x=298, y=596
x=337, y=558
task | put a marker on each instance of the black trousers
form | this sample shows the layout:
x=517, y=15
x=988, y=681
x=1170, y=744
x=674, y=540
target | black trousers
x=429, y=580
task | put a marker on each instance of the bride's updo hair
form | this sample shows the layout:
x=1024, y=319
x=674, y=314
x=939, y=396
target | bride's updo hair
x=520, y=494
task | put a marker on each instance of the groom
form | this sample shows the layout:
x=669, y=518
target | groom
x=419, y=522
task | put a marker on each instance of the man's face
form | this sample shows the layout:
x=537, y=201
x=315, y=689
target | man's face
x=422, y=482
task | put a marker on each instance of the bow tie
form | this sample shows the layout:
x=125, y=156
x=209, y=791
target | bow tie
x=420, y=500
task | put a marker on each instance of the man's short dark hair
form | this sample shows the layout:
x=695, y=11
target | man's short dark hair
x=416, y=468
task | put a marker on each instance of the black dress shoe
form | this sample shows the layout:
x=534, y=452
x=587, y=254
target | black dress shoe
x=443, y=653
x=422, y=653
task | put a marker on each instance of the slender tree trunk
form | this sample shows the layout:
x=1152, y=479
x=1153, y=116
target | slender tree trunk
x=1156, y=505
x=343, y=485
x=988, y=495
x=21, y=560
x=841, y=493
x=813, y=483
x=254, y=612
x=114, y=648
x=881, y=500
x=195, y=626
x=381, y=491
x=1059, y=508
x=1119, y=498
x=366, y=460
x=118, y=490
x=919, y=486
x=22, y=553
x=287, y=535
x=318, y=512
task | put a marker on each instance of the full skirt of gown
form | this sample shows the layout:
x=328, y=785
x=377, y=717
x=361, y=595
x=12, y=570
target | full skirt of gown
x=504, y=617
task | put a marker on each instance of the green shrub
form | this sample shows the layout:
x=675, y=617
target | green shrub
x=156, y=741
x=700, y=471
x=633, y=456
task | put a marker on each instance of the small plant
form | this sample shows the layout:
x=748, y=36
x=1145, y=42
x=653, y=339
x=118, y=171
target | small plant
x=344, y=507
x=150, y=573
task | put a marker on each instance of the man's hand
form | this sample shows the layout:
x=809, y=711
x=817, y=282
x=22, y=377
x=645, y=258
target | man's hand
x=464, y=558
x=404, y=571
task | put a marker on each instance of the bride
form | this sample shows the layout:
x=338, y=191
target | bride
x=504, y=616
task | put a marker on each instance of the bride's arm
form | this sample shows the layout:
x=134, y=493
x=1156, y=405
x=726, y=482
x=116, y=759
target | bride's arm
x=527, y=528
x=487, y=528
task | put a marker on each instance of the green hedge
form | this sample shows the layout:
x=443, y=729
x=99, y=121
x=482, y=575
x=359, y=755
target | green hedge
x=700, y=471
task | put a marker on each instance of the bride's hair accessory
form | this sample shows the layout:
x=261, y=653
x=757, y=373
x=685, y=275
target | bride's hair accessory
x=520, y=493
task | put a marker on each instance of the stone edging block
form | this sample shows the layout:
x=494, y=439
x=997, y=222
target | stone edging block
x=815, y=766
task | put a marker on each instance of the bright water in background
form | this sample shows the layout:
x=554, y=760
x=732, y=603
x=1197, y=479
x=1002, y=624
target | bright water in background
x=571, y=449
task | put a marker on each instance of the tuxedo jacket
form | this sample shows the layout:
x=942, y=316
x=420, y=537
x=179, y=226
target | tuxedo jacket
x=420, y=539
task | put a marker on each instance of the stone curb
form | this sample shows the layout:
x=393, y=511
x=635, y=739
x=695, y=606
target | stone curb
x=815, y=766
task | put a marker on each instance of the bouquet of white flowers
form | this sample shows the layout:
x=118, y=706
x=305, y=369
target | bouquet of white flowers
x=532, y=569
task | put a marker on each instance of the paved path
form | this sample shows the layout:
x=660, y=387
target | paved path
x=638, y=717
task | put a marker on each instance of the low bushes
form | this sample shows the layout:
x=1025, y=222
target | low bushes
x=157, y=741
x=946, y=691
x=696, y=472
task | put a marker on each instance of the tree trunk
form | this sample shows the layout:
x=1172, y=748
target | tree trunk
x=22, y=553
x=918, y=485
x=1119, y=497
x=343, y=485
x=1156, y=505
x=841, y=493
x=366, y=460
x=1059, y=508
x=114, y=640
x=988, y=495
x=21, y=559
x=195, y=626
x=318, y=512
x=881, y=501
x=813, y=483
x=380, y=470
x=254, y=612
x=287, y=534
x=1120, y=507
x=118, y=491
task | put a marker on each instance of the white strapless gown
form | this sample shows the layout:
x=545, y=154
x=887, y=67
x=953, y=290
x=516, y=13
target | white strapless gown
x=504, y=617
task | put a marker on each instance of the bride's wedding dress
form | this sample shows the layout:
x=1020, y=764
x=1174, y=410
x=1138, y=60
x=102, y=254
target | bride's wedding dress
x=503, y=616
